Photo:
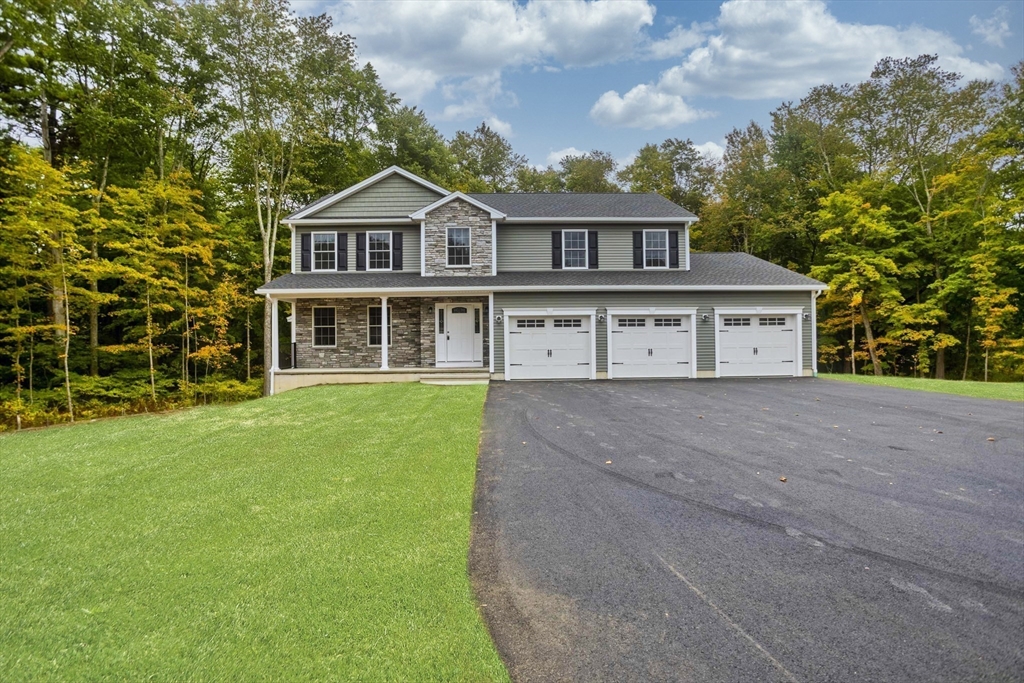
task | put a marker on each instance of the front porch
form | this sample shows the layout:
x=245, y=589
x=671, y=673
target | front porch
x=338, y=340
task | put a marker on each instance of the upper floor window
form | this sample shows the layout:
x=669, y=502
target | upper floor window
x=574, y=249
x=655, y=248
x=458, y=247
x=324, y=251
x=378, y=250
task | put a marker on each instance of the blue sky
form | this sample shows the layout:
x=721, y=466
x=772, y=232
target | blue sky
x=615, y=74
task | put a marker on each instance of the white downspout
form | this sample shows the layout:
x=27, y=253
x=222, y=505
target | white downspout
x=814, y=333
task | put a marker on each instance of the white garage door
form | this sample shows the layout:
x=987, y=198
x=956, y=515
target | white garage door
x=757, y=345
x=650, y=346
x=556, y=347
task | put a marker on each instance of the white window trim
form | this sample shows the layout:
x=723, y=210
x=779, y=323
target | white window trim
x=312, y=253
x=391, y=250
x=510, y=313
x=586, y=250
x=390, y=336
x=613, y=313
x=446, y=255
x=796, y=311
x=668, y=257
x=312, y=326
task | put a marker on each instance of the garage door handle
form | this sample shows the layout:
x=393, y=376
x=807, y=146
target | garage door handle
x=549, y=353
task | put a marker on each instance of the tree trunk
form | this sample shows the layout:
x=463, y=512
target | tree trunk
x=940, y=357
x=875, y=363
x=94, y=318
x=986, y=365
x=67, y=347
x=967, y=344
x=149, y=343
x=248, y=343
x=853, y=342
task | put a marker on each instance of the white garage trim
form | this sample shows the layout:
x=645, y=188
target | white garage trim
x=509, y=313
x=795, y=311
x=814, y=333
x=692, y=312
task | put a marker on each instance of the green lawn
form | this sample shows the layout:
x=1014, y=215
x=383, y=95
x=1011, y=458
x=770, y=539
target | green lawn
x=317, y=535
x=1006, y=391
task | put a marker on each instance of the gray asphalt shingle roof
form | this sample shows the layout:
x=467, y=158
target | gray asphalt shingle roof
x=582, y=205
x=706, y=270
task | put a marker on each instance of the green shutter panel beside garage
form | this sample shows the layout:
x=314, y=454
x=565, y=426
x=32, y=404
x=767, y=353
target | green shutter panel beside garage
x=360, y=251
x=342, y=251
x=396, y=250
x=306, y=264
x=556, y=249
x=673, y=248
x=592, y=249
x=638, y=248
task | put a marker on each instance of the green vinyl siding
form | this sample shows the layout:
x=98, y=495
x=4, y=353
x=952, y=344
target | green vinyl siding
x=528, y=247
x=704, y=302
x=410, y=244
x=392, y=197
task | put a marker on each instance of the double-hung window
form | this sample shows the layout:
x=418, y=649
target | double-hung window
x=574, y=249
x=378, y=250
x=325, y=331
x=373, y=327
x=458, y=247
x=325, y=251
x=655, y=248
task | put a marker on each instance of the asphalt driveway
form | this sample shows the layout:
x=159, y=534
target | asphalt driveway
x=640, y=531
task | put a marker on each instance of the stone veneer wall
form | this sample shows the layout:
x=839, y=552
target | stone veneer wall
x=457, y=214
x=427, y=331
x=352, y=350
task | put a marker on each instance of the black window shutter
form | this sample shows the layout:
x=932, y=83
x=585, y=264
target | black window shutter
x=673, y=248
x=396, y=251
x=592, y=249
x=556, y=249
x=638, y=248
x=342, y=251
x=360, y=251
x=306, y=262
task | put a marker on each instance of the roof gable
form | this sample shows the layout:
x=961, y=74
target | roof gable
x=422, y=213
x=392, y=193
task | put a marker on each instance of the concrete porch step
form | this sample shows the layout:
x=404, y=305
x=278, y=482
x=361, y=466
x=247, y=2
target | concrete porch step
x=456, y=378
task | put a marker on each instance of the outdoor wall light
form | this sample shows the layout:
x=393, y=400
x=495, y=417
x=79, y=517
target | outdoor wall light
x=497, y=319
x=807, y=316
x=601, y=318
x=705, y=317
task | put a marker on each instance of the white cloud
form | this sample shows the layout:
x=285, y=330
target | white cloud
x=644, y=107
x=555, y=157
x=995, y=29
x=501, y=127
x=760, y=50
x=712, y=149
x=417, y=47
x=677, y=42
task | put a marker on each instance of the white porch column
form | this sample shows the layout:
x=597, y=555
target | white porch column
x=383, y=333
x=275, y=344
x=292, y=319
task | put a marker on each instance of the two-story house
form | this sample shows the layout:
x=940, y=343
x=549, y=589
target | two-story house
x=397, y=279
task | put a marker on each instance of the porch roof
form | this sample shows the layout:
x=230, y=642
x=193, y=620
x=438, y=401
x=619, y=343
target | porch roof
x=724, y=271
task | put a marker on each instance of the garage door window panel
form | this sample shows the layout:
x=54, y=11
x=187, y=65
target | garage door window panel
x=632, y=322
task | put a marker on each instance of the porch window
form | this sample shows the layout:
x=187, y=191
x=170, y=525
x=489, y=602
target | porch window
x=655, y=248
x=574, y=249
x=324, y=252
x=379, y=251
x=373, y=326
x=458, y=247
x=325, y=330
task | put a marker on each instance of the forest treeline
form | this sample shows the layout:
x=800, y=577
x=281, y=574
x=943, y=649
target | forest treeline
x=150, y=149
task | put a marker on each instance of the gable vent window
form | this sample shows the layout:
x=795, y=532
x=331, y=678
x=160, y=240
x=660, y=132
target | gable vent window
x=324, y=254
x=771, y=322
x=574, y=248
x=325, y=331
x=568, y=322
x=668, y=322
x=458, y=247
x=378, y=250
x=736, y=322
x=529, y=323
x=632, y=322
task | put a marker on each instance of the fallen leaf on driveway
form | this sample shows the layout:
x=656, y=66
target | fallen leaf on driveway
x=991, y=438
x=607, y=462
x=782, y=479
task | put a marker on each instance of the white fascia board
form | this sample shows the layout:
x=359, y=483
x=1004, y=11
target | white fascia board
x=422, y=213
x=348, y=192
x=295, y=223
x=539, y=219
x=540, y=312
x=416, y=291
x=758, y=310
x=651, y=310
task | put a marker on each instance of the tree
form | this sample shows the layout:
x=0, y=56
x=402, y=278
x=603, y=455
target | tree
x=484, y=161
x=590, y=172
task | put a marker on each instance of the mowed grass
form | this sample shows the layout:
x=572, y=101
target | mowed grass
x=317, y=535
x=1005, y=391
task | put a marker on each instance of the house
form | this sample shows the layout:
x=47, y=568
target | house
x=397, y=279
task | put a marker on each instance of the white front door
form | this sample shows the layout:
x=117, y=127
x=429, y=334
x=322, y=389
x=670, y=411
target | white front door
x=757, y=345
x=457, y=332
x=541, y=347
x=650, y=346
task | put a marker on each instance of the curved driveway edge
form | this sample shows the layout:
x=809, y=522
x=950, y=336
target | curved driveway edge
x=640, y=531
